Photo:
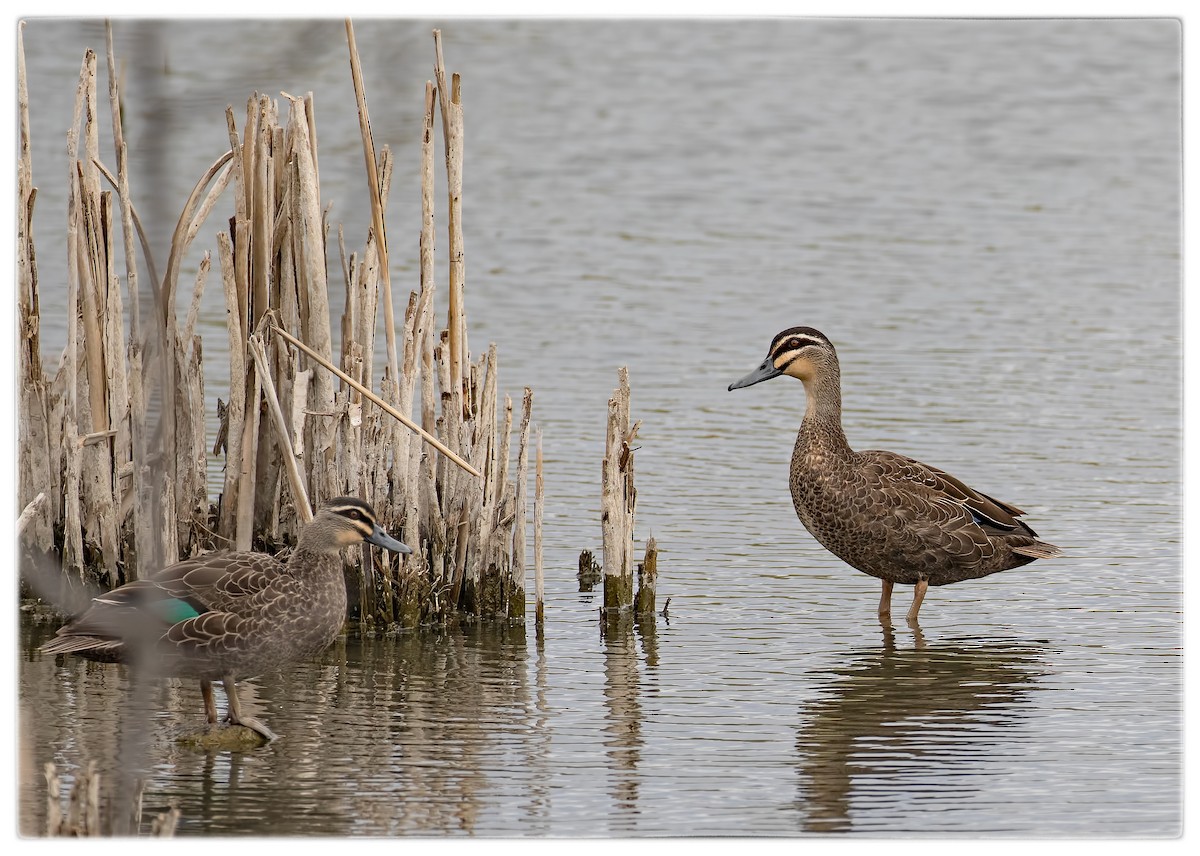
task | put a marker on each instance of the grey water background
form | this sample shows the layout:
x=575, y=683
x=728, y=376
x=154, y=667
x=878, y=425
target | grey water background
x=983, y=215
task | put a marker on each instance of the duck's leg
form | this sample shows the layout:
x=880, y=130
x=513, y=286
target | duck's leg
x=918, y=595
x=235, y=711
x=210, y=704
x=885, y=600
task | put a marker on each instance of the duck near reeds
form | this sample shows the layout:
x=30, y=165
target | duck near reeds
x=885, y=514
x=230, y=615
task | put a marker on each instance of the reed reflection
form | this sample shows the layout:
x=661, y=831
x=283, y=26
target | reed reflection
x=623, y=688
x=894, y=715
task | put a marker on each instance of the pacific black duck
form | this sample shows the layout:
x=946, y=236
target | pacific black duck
x=229, y=615
x=886, y=514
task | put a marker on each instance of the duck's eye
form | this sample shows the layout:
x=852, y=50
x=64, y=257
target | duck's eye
x=353, y=514
x=795, y=345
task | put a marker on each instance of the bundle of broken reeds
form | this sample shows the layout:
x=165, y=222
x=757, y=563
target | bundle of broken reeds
x=302, y=422
x=618, y=504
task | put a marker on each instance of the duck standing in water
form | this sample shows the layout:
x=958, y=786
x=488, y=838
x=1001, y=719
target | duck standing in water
x=886, y=514
x=230, y=615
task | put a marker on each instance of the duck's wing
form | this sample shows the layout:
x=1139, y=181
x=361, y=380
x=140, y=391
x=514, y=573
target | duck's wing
x=942, y=495
x=218, y=580
x=953, y=517
x=208, y=636
x=147, y=608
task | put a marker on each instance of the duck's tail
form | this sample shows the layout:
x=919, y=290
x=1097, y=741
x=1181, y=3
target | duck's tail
x=91, y=647
x=1039, y=550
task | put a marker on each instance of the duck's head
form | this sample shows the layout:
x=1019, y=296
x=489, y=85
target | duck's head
x=344, y=522
x=801, y=352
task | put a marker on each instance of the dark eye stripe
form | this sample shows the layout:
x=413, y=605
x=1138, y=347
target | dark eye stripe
x=354, y=510
x=794, y=343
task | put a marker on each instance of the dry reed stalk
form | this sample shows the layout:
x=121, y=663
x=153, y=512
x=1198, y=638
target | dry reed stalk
x=452, y=135
x=112, y=399
x=36, y=475
x=647, y=576
x=391, y=411
x=405, y=388
x=539, y=503
x=191, y=488
x=309, y=249
x=31, y=512
x=135, y=223
x=244, y=528
x=174, y=384
x=433, y=521
x=618, y=499
x=479, y=496
x=89, y=515
x=517, y=604
x=188, y=330
x=234, y=414
x=122, y=185
x=501, y=488
x=96, y=465
x=377, y=206
x=95, y=507
x=295, y=478
x=503, y=514
x=73, y=557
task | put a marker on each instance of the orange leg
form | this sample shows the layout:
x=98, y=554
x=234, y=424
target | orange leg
x=918, y=595
x=210, y=704
x=885, y=600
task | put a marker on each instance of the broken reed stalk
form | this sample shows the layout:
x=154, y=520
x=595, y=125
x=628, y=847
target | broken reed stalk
x=452, y=135
x=647, y=577
x=539, y=502
x=31, y=512
x=373, y=189
x=517, y=605
x=36, y=437
x=618, y=499
x=295, y=479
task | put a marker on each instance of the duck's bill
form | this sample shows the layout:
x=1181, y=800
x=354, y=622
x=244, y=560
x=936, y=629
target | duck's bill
x=766, y=371
x=381, y=539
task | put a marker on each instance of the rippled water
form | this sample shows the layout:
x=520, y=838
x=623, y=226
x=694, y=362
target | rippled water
x=982, y=215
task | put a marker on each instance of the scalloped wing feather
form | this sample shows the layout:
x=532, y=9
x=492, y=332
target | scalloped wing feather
x=935, y=486
x=218, y=580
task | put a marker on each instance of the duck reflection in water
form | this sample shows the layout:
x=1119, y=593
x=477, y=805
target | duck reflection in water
x=891, y=719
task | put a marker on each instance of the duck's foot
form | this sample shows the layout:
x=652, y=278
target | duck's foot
x=235, y=713
x=255, y=725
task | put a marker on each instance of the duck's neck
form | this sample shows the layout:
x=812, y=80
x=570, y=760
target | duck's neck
x=305, y=561
x=822, y=424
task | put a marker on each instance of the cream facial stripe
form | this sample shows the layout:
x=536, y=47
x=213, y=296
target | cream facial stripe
x=789, y=347
x=356, y=511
